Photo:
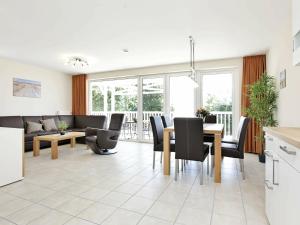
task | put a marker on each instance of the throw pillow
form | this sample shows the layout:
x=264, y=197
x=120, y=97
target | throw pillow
x=33, y=127
x=49, y=124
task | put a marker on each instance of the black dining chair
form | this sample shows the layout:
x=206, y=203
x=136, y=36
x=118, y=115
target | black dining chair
x=189, y=142
x=158, y=134
x=210, y=119
x=236, y=149
x=167, y=122
x=209, y=138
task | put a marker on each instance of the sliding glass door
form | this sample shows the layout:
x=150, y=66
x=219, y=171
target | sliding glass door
x=217, y=96
x=153, y=103
x=116, y=96
x=182, y=96
x=171, y=94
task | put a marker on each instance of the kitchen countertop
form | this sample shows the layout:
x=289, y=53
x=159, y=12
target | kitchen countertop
x=290, y=135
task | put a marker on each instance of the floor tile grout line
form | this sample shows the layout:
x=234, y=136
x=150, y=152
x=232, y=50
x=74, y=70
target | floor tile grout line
x=132, y=195
x=239, y=179
x=188, y=194
x=174, y=222
x=153, y=202
x=8, y=220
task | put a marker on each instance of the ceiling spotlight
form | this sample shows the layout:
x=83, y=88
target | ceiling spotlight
x=77, y=62
x=125, y=50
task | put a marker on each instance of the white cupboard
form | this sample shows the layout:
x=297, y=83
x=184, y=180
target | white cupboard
x=282, y=182
x=11, y=155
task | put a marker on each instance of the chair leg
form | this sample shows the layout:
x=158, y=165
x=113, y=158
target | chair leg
x=176, y=168
x=182, y=165
x=153, y=165
x=207, y=162
x=242, y=168
x=201, y=173
x=161, y=157
x=212, y=158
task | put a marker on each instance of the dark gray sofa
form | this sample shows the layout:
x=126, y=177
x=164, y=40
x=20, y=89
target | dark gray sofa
x=75, y=123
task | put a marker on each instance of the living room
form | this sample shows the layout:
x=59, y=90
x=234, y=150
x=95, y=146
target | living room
x=135, y=112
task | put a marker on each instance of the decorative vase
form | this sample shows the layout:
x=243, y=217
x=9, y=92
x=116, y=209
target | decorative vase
x=62, y=132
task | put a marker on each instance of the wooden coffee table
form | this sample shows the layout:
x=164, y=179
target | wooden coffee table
x=54, y=138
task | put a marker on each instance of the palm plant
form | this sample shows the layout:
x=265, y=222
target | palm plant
x=263, y=103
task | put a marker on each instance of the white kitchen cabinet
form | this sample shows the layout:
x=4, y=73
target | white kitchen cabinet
x=11, y=155
x=282, y=182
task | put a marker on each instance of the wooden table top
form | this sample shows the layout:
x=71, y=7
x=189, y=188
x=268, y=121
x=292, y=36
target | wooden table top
x=59, y=137
x=208, y=128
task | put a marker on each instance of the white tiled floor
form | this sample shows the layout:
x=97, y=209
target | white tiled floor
x=81, y=188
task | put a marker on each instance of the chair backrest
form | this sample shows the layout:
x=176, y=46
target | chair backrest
x=116, y=121
x=189, y=139
x=244, y=121
x=240, y=126
x=166, y=121
x=210, y=119
x=157, y=129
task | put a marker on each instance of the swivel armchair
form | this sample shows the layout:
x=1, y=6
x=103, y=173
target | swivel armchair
x=102, y=142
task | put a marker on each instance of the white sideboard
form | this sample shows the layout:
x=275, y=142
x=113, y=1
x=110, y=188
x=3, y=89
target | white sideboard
x=282, y=175
x=11, y=155
x=296, y=32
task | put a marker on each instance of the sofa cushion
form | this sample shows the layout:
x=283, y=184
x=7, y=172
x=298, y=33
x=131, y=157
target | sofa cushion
x=49, y=124
x=11, y=121
x=55, y=117
x=35, y=119
x=33, y=127
x=90, y=121
x=69, y=119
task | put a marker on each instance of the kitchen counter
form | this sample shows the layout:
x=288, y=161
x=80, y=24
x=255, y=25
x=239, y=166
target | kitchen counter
x=290, y=135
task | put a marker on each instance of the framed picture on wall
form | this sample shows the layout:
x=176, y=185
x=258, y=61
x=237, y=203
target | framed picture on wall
x=26, y=88
x=282, y=79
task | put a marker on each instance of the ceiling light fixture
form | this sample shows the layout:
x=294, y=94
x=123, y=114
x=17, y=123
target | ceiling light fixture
x=77, y=62
x=125, y=50
x=192, y=76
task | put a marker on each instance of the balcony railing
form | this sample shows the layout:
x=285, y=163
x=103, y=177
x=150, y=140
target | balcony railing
x=130, y=126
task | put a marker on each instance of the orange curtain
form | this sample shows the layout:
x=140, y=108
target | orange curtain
x=253, y=68
x=79, y=94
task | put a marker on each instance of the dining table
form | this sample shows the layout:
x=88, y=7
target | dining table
x=208, y=128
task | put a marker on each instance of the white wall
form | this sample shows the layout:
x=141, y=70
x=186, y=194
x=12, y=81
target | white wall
x=279, y=58
x=56, y=90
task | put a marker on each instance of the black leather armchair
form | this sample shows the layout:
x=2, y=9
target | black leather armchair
x=103, y=141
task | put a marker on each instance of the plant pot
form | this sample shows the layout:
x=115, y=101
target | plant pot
x=262, y=158
x=62, y=132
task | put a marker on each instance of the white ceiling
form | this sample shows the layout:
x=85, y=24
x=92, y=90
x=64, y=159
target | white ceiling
x=47, y=32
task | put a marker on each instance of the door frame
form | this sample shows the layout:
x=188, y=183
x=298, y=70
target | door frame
x=236, y=112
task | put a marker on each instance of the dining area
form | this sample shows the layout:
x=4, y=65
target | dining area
x=196, y=139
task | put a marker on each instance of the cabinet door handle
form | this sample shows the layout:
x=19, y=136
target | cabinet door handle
x=274, y=183
x=269, y=154
x=267, y=185
x=285, y=149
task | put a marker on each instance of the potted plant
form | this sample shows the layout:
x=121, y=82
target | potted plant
x=202, y=113
x=62, y=126
x=263, y=103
